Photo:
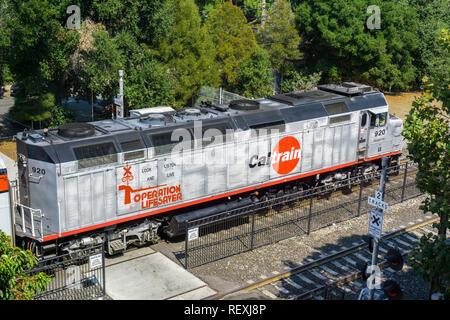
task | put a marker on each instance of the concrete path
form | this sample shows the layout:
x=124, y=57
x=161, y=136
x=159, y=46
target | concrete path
x=152, y=277
x=11, y=166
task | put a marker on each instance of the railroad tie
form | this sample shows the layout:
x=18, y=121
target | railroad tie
x=269, y=294
x=352, y=262
x=403, y=242
x=340, y=266
x=303, y=278
x=293, y=283
x=380, y=248
x=410, y=238
x=318, y=275
x=281, y=289
x=328, y=270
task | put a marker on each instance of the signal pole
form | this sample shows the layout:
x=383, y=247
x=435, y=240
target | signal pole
x=384, y=161
x=119, y=110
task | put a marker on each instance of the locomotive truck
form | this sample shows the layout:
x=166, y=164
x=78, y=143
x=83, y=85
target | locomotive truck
x=132, y=180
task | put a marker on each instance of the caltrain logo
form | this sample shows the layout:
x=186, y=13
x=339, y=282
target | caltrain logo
x=284, y=157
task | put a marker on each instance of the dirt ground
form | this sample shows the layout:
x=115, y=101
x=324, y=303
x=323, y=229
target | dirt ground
x=8, y=148
x=400, y=103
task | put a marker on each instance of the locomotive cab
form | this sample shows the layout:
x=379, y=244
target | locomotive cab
x=379, y=132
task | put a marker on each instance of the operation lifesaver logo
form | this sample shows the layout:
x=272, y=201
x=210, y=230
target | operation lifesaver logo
x=284, y=157
x=151, y=196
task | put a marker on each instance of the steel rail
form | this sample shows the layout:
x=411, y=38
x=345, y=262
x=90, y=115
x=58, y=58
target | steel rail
x=320, y=261
x=341, y=281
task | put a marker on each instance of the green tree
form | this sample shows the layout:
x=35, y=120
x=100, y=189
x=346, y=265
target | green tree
x=295, y=81
x=59, y=116
x=431, y=59
x=280, y=37
x=157, y=17
x=189, y=54
x=254, y=77
x=4, y=43
x=427, y=129
x=338, y=42
x=118, y=15
x=146, y=81
x=232, y=38
x=253, y=9
x=15, y=283
x=32, y=107
x=95, y=63
x=38, y=55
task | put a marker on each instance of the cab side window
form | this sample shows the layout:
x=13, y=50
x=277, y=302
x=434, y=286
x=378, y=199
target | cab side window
x=378, y=120
x=363, y=120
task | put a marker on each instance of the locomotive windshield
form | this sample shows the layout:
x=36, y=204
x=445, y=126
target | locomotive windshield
x=378, y=120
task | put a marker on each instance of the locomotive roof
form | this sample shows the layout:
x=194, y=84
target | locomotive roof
x=282, y=108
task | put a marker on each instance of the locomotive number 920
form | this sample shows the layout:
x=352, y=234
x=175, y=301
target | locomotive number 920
x=38, y=170
x=380, y=132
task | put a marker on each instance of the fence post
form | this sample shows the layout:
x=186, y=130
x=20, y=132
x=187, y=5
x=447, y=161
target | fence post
x=360, y=195
x=404, y=181
x=186, y=246
x=310, y=214
x=253, y=230
x=103, y=268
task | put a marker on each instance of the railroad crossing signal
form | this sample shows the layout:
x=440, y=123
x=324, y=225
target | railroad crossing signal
x=395, y=259
x=369, y=241
x=375, y=223
x=392, y=290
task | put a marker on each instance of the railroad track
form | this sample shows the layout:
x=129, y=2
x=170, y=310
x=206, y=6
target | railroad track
x=337, y=270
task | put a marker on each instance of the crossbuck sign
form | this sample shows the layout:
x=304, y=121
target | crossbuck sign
x=375, y=223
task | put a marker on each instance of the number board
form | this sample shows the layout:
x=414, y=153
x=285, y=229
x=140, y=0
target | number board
x=378, y=203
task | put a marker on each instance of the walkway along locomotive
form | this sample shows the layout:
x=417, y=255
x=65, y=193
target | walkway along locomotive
x=121, y=182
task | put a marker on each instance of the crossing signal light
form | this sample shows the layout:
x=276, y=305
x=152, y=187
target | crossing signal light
x=395, y=259
x=363, y=268
x=368, y=239
x=392, y=290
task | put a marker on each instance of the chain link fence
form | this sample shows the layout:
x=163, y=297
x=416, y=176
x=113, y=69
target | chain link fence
x=76, y=276
x=216, y=96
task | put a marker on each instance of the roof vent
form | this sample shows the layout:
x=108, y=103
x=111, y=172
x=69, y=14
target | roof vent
x=244, y=105
x=188, y=114
x=76, y=130
x=347, y=88
x=156, y=119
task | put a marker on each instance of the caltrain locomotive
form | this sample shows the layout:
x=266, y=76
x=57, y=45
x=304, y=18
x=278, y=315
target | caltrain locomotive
x=131, y=180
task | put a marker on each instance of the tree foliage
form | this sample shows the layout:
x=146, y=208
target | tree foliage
x=32, y=107
x=295, y=81
x=254, y=77
x=15, y=283
x=38, y=55
x=431, y=58
x=339, y=43
x=189, y=54
x=232, y=38
x=279, y=36
x=427, y=128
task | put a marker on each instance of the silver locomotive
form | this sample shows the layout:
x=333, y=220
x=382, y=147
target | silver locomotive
x=129, y=180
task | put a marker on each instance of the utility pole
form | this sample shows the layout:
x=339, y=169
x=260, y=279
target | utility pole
x=119, y=110
x=384, y=161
